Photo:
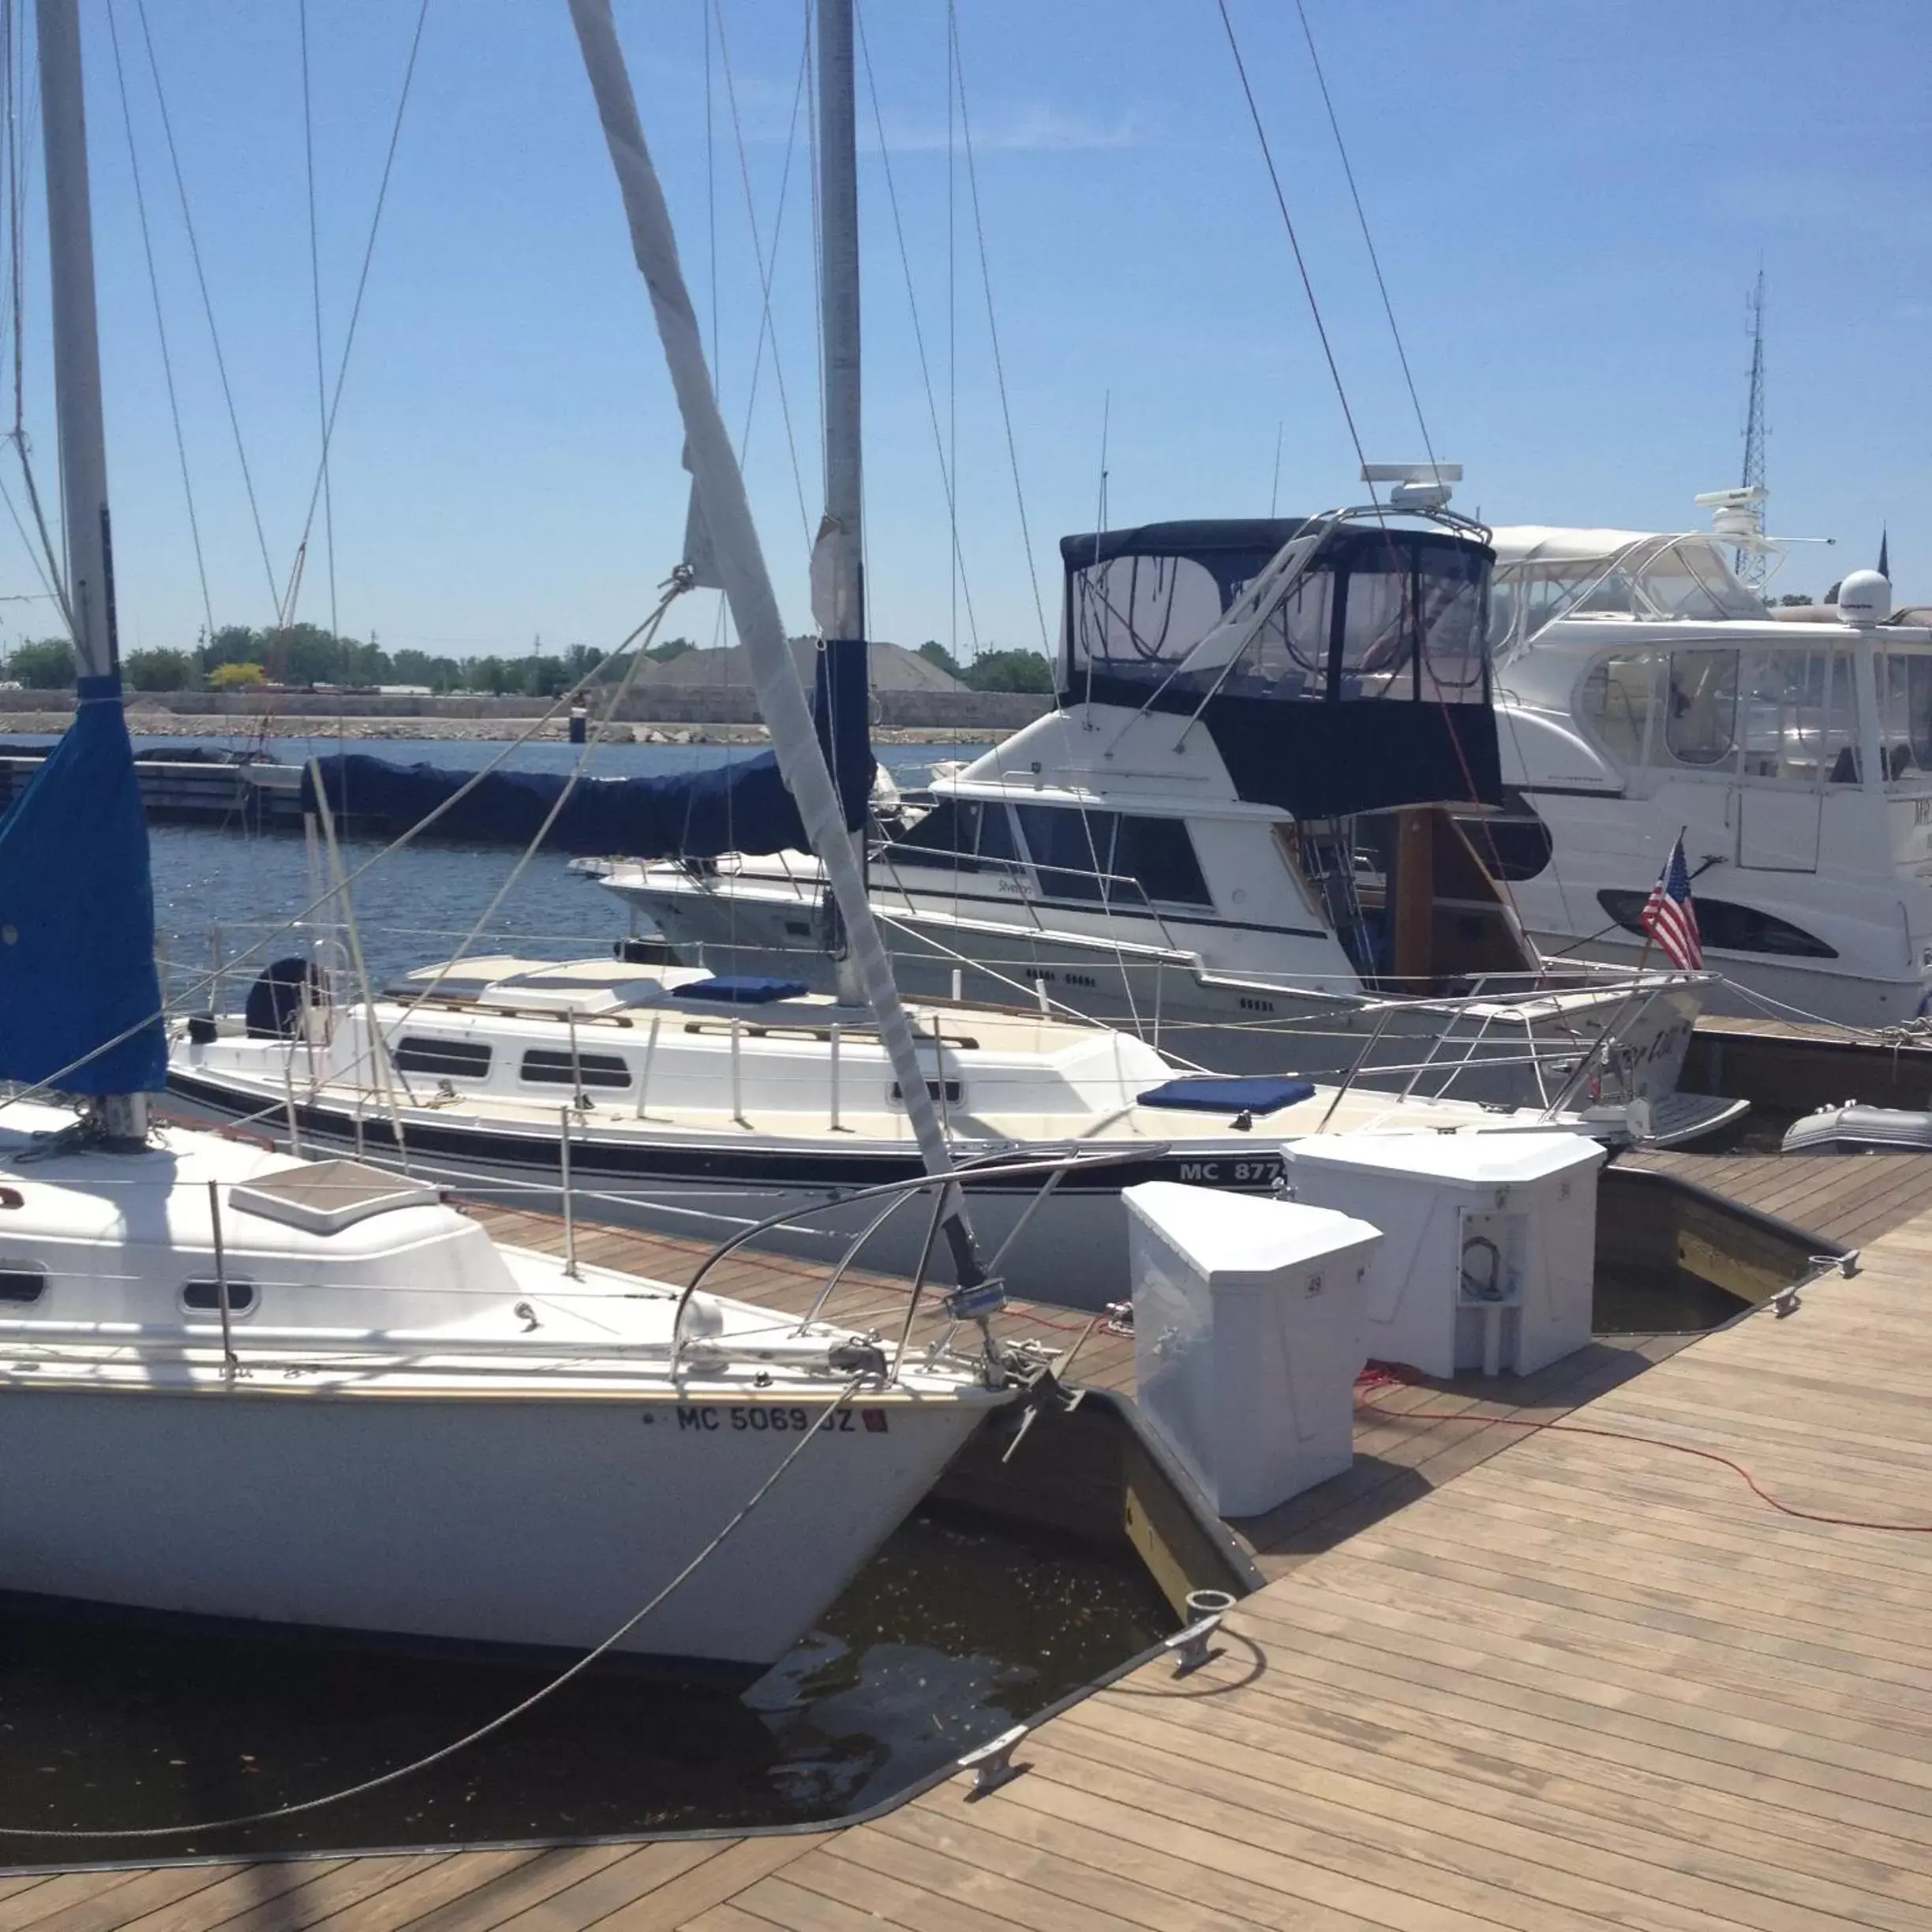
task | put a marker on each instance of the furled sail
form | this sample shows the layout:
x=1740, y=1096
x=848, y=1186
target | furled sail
x=80, y=998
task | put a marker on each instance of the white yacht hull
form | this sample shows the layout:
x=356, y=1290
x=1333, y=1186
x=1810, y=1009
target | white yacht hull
x=523, y=1522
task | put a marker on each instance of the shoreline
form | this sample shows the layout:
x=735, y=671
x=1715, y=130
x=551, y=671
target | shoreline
x=151, y=723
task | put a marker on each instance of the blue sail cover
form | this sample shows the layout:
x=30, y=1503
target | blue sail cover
x=736, y=805
x=77, y=916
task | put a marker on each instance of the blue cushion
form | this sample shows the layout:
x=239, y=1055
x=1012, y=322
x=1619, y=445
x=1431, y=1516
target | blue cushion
x=744, y=990
x=1256, y=1093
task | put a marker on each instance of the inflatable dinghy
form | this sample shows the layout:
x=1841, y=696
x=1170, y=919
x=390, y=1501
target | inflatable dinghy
x=1856, y=1129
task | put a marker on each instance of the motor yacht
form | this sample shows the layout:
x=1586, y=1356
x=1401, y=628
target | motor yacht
x=1646, y=690
x=1237, y=834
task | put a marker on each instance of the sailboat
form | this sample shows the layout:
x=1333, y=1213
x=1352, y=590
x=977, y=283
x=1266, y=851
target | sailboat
x=715, y=1106
x=238, y=1384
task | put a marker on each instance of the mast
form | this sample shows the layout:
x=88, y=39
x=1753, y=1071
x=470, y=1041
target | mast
x=740, y=563
x=77, y=400
x=76, y=343
x=838, y=556
x=840, y=610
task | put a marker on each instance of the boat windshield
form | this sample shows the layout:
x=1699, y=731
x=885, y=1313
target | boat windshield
x=1657, y=577
x=1370, y=612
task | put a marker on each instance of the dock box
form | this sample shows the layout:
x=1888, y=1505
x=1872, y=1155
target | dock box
x=1489, y=1260
x=1248, y=1338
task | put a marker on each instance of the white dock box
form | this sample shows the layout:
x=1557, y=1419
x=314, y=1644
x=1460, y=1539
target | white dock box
x=1248, y=1338
x=1489, y=1256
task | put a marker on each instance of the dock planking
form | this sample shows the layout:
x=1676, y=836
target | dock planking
x=1589, y=1682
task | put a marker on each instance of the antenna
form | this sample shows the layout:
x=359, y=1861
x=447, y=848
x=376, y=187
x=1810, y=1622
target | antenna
x=1749, y=561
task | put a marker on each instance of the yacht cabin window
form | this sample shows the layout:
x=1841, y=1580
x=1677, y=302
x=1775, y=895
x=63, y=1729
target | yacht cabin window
x=1618, y=698
x=1800, y=716
x=1904, y=680
x=964, y=835
x=448, y=1059
x=1701, y=708
x=203, y=1296
x=1789, y=715
x=21, y=1281
x=545, y=1066
x=1097, y=856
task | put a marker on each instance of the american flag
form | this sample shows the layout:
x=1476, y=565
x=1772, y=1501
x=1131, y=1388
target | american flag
x=1669, y=917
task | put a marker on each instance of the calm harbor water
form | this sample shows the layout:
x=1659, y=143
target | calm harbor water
x=951, y=1634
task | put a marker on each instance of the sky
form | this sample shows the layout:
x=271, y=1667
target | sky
x=1569, y=201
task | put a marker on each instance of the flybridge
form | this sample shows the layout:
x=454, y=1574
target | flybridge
x=1338, y=662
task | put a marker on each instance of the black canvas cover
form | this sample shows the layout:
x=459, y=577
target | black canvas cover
x=1365, y=686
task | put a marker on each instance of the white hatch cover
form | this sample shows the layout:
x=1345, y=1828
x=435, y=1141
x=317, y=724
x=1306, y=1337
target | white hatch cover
x=323, y=1197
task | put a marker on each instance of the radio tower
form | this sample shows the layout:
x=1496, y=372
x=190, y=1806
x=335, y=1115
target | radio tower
x=1750, y=564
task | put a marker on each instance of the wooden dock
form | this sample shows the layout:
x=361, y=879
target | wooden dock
x=1591, y=1683
x=1796, y=1065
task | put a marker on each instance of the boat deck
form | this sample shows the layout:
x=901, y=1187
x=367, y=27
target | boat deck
x=1591, y=1683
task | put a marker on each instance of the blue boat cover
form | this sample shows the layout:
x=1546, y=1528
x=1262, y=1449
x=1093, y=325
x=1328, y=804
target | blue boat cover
x=737, y=805
x=77, y=916
x=1255, y=1093
x=740, y=990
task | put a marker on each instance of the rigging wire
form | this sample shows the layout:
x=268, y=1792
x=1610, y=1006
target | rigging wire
x=767, y=270
x=918, y=333
x=154, y=290
x=287, y=613
x=1294, y=242
x=207, y=304
x=999, y=365
x=953, y=326
x=315, y=293
x=1389, y=308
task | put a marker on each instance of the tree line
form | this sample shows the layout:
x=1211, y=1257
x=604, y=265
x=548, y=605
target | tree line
x=305, y=655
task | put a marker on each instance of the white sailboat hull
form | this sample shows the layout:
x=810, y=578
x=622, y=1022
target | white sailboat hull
x=525, y=1521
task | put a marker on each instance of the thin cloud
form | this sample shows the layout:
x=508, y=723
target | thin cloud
x=1036, y=128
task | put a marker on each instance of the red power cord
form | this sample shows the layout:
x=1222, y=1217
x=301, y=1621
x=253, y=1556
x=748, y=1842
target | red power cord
x=1379, y=1376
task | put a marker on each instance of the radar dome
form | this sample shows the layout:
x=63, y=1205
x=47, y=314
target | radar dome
x=1865, y=597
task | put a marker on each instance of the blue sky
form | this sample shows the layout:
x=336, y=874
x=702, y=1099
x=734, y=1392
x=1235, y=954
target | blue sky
x=1570, y=202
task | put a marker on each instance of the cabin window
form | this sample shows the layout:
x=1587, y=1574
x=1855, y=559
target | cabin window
x=1800, y=717
x=1700, y=708
x=547, y=1066
x=1618, y=697
x=960, y=833
x=1097, y=855
x=896, y=1094
x=22, y=1283
x=203, y=1296
x=447, y=1059
x=1725, y=927
x=1904, y=712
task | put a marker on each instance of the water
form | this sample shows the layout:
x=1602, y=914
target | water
x=954, y=1633
x=415, y=907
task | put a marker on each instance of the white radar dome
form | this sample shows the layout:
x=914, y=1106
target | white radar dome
x=1864, y=597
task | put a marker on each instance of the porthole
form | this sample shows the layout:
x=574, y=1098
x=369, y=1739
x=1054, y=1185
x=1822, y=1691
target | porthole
x=22, y=1283
x=203, y=1297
